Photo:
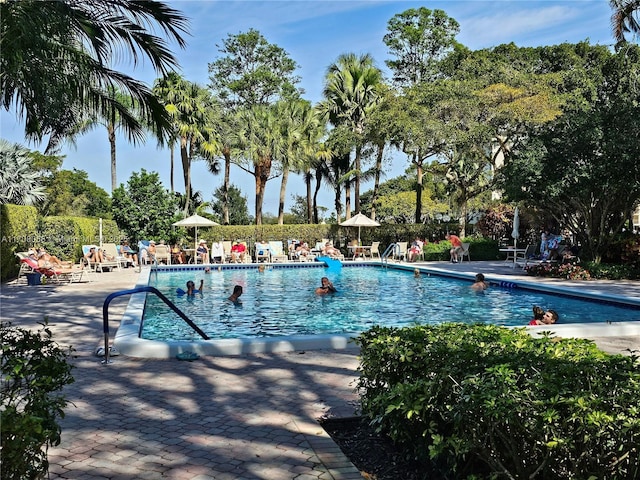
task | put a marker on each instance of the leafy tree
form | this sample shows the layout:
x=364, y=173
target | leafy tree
x=250, y=72
x=351, y=93
x=236, y=203
x=582, y=168
x=57, y=61
x=299, y=213
x=20, y=183
x=143, y=208
x=419, y=39
x=70, y=192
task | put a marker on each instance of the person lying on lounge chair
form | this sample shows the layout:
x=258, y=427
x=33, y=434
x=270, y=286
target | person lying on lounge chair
x=47, y=261
x=94, y=255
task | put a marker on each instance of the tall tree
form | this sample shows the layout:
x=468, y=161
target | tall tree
x=193, y=112
x=351, y=92
x=233, y=202
x=249, y=72
x=57, y=61
x=261, y=145
x=419, y=39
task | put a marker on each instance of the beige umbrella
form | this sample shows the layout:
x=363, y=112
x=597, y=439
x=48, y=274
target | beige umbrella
x=195, y=221
x=359, y=220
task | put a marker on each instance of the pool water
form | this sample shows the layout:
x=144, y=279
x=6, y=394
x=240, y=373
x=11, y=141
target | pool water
x=282, y=302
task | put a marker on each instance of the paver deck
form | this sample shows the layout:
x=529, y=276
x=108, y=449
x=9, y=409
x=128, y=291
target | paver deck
x=243, y=417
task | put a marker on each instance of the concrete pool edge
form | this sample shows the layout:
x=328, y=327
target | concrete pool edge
x=128, y=342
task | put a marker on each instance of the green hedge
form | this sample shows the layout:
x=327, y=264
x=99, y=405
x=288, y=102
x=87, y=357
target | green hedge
x=494, y=402
x=63, y=237
x=19, y=227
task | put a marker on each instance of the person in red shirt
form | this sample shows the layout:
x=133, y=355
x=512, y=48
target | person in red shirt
x=238, y=252
x=456, y=247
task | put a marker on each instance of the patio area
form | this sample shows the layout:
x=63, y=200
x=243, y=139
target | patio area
x=242, y=417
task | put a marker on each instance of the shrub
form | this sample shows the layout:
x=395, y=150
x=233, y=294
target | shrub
x=34, y=368
x=494, y=402
x=570, y=271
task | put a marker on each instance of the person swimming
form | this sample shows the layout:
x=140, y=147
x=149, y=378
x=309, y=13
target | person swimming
x=191, y=288
x=327, y=287
x=235, y=296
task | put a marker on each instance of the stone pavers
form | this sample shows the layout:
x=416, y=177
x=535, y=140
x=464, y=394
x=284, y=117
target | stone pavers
x=246, y=417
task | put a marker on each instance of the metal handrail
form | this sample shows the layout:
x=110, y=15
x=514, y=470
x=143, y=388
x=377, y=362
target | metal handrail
x=384, y=259
x=170, y=304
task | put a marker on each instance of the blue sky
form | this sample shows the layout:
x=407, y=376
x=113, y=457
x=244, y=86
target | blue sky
x=315, y=33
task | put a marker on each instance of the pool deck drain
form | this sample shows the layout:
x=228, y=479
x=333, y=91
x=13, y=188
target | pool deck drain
x=243, y=417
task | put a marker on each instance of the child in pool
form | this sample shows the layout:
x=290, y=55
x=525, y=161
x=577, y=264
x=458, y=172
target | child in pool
x=191, y=288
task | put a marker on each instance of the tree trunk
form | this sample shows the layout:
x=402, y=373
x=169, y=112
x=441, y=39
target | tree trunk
x=283, y=193
x=261, y=173
x=171, y=168
x=186, y=172
x=419, y=176
x=316, y=218
x=112, y=143
x=347, y=200
x=376, y=183
x=225, y=185
x=357, y=162
x=310, y=201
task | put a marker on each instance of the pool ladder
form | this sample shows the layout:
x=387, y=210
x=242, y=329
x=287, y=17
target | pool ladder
x=390, y=250
x=169, y=303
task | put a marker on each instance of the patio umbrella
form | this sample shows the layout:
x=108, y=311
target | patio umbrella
x=359, y=220
x=515, y=233
x=195, y=221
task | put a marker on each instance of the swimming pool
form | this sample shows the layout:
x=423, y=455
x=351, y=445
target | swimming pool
x=281, y=302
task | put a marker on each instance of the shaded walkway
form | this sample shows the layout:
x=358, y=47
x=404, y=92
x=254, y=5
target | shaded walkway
x=246, y=417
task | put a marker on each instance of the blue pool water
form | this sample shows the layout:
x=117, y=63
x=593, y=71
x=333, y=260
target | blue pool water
x=282, y=302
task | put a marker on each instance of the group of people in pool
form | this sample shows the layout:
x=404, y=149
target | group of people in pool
x=325, y=288
x=540, y=317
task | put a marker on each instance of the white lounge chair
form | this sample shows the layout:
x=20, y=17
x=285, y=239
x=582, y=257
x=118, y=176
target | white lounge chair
x=277, y=251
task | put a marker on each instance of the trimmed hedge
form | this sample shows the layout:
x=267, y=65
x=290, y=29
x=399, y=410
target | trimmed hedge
x=19, y=227
x=494, y=402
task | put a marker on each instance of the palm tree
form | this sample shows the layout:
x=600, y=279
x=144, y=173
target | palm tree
x=57, y=60
x=300, y=131
x=193, y=112
x=261, y=146
x=112, y=123
x=20, y=184
x=625, y=18
x=350, y=93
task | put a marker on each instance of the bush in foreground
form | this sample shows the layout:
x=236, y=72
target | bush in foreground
x=492, y=402
x=34, y=368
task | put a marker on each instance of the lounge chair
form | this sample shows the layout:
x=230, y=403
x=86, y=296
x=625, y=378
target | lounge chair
x=216, y=253
x=277, y=251
x=29, y=266
x=400, y=251
x=111, y=251
x=163, y=254
x=465, y=252
x=109, y=264
x=226, y=246
x=373, y=251
x=263, y=252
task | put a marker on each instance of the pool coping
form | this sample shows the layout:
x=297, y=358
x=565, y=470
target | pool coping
x=127, y=339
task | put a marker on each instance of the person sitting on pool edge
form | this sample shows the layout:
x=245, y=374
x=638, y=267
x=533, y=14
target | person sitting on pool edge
x=479, y=285
x=550, y=317
x=191, y=288
x=327, y=287
x=235, y=296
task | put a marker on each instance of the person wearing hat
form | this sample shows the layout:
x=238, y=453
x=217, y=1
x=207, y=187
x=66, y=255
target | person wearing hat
x=203, y=251
x=151, y=252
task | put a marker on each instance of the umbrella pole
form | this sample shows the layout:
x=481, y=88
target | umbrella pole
x=195, y=248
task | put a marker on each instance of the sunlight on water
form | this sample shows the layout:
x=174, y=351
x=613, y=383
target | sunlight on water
x=282, y=302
